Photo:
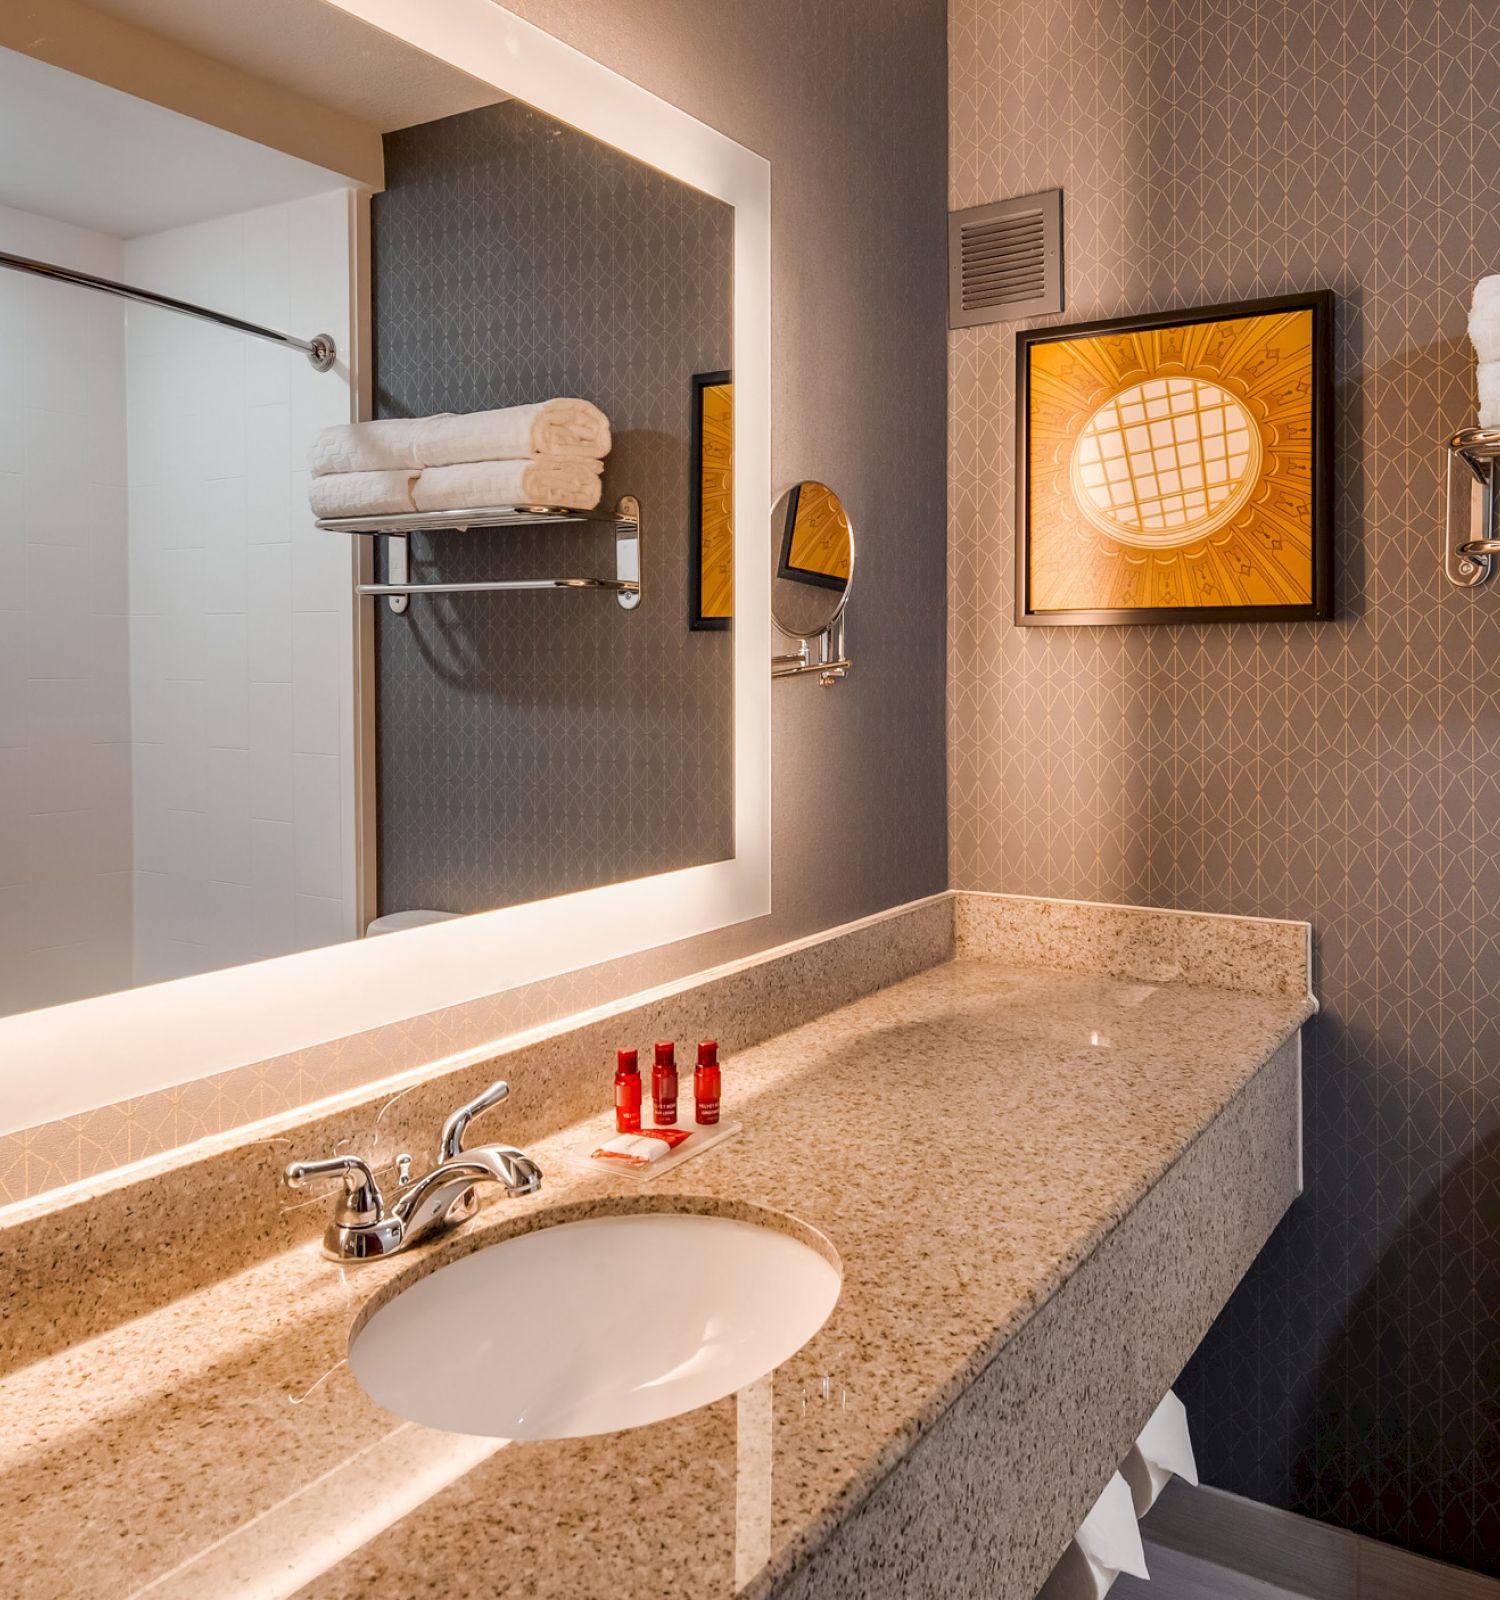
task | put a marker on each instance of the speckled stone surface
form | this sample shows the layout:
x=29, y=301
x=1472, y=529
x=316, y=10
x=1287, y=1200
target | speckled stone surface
x=975, y=1508
x=1255, y=955
x=1030, y=1178
x=80, y=1261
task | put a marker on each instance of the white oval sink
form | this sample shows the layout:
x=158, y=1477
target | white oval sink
x=589, y=1327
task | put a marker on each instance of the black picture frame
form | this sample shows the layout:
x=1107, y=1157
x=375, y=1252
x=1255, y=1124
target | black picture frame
x=697, y=622
x=1320, y=609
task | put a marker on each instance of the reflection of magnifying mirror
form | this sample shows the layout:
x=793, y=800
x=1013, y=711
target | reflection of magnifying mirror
x=812, y=561
x=813, y=548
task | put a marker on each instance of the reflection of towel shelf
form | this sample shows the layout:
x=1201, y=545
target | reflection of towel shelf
x=625, y=519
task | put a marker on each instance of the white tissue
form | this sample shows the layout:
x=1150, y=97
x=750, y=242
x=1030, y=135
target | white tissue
x=1484, y=318
x=1163, y=1450
x=1108, y=1542
x=1489, y=394
x=1109, y=1535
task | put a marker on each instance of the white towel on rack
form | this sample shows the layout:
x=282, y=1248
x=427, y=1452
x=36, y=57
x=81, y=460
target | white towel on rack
x=565, y=429
x=1489, y=394
x=545, y=482
x=572, y=429
x=363, y=494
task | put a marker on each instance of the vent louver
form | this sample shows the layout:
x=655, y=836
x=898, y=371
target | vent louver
x=1005, y=260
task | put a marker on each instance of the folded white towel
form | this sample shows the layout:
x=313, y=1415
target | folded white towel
x=1489, y=394
x=363, y=494
x=566, y=428
x=1484, y=318
x=548, y=482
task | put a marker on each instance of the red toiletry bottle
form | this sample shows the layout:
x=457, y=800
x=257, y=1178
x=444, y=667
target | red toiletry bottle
x=706, y=1082
x=627, y=1093
x=664, y=1084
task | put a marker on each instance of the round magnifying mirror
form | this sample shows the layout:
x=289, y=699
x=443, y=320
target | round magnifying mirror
x=812, y=555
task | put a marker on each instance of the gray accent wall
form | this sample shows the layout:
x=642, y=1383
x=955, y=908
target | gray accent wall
x=537, y=743
x=1345, y=772
x=846, y=100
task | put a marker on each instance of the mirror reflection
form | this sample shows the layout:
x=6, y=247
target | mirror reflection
x=812, y=548
x=212, y=749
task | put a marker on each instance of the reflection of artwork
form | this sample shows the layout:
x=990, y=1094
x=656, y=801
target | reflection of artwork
x=1176, y=467
x=712, y=494
x=815, y=539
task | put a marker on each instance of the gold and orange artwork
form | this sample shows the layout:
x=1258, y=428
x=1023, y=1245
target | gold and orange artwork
x=821, y=543
x=715, y=469
x=1172, y=467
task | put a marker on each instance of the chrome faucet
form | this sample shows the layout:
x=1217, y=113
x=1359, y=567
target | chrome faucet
x=363, y=1227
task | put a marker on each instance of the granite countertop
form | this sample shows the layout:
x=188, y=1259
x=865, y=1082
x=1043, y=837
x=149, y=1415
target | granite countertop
x=965, y=1139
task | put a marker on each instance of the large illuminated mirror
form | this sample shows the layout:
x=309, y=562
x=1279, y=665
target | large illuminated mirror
x=267, y=692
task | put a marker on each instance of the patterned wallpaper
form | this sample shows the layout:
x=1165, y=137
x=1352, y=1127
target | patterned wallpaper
x=534, y=744
x=1345, y=772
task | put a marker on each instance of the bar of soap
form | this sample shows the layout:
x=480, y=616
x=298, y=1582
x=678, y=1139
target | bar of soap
x=643, y=1149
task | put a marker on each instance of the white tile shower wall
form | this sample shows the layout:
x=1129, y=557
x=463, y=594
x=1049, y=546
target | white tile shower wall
x=241, y=627
x=65, y=886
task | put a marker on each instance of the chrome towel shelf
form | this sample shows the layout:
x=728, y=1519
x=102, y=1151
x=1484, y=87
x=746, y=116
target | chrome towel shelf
x=625, y=519
x=1471, y=537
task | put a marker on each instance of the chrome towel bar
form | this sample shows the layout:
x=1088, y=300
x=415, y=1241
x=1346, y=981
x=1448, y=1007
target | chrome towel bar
x=320, y=350
x=625, y=519
x=615, y=585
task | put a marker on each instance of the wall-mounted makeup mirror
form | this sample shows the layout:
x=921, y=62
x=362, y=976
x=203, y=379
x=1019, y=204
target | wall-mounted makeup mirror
x=220, y=741
x=812, y=566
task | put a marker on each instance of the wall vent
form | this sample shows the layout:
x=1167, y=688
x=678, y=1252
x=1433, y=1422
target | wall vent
x=1005, y=260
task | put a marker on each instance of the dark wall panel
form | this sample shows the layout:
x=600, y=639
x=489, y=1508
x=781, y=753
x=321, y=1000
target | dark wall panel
x=532, y=744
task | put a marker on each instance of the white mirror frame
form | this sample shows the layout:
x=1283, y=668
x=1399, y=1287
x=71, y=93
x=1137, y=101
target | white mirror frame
x=74, y=1058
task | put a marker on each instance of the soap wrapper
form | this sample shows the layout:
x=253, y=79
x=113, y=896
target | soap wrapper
x=652, y=1151
x=643, y=1149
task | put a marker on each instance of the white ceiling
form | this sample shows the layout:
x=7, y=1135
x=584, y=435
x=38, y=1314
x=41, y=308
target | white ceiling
x=81, y=152
x=321, y=52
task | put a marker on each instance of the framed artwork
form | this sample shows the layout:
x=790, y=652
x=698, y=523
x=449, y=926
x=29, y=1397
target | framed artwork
x=1177, y=467
x=711, y=501
x=816, y=541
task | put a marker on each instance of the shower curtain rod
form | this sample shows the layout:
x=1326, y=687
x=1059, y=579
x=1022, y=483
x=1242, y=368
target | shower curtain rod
x=320, y=349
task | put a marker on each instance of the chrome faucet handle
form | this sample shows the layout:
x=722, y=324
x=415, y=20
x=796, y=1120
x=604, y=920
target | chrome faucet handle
x=360, y=1204
x=452, y=1142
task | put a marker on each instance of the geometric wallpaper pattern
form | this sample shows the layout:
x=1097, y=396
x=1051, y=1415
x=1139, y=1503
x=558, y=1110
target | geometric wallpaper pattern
x=1345, y=772
x=535, y=743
